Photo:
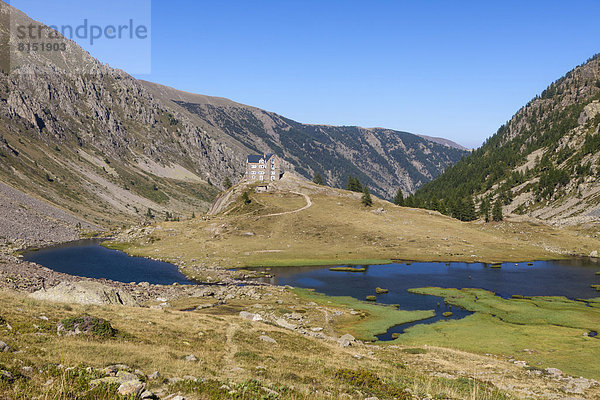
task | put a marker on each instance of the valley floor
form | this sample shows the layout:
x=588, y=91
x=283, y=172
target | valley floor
x=261, y=341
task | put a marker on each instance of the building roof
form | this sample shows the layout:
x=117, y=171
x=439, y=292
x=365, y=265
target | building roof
x=255, y=158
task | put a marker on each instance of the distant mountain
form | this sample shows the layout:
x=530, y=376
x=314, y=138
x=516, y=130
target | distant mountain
x=110, y=149
x=445, y=142
x=544, y=162
x=383, y=159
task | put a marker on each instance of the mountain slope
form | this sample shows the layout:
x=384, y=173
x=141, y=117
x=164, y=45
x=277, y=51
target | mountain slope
x=113, y=150
x=544, y=162
x=94, y=141
x=383, y=159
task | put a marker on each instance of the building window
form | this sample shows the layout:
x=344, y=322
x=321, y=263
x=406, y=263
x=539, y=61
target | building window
x=262, y=161
x=253, y=166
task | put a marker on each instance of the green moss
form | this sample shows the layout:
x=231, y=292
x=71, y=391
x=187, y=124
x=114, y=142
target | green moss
x=376, y=319
x=381, y=290
x=553, y=326
x=371, y=298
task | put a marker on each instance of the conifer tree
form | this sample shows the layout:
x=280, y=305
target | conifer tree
x=484, y=209
x=318, y=179
x=399, y=198
x=469, y=213
x=245, y=198
x=354, y=184
x=497, y=211
x=227, y=183
x=366, y=197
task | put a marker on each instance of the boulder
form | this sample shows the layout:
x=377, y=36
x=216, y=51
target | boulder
x=4, y=347
x=131, y=388
x=346, y=340
x=594, y=254
x=554, y=372
x=148, y=395
x=267, y=339
x=285, y=324
x=250, y=316
x=154, y=376
x=86, y=293
x=191, y=358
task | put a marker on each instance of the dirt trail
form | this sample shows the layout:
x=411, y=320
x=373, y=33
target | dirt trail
x=308, y=205
x=229, y=363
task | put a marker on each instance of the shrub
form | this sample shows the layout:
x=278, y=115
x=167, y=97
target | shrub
x=360, y=378
x=246, y=198
x=88, y=325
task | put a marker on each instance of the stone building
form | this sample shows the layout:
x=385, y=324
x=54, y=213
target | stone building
x=264, y=167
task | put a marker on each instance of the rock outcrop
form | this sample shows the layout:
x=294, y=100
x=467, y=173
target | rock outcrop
x=86, y=293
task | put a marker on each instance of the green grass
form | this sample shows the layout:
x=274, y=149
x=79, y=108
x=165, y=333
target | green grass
x=376, y=319
x=347, y=269
x=552, y=327
x=307, y=262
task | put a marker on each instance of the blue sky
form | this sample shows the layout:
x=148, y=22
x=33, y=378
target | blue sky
x=453, y=69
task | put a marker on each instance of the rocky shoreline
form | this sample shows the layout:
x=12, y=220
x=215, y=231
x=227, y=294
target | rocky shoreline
x=27, y=277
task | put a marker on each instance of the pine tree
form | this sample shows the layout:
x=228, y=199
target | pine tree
x=245, y=198
x=318, y=179
x=366, y=197
x=484, y=209
x=497, y=211
x=354, y=184
x=399, y=198
x=469, y=213
x=227, y=183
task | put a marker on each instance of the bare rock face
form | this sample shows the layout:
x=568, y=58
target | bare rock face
x=86, y=293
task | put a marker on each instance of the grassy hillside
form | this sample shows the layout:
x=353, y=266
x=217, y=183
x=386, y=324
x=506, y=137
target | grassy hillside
x=338, y=229
x=231, y=359
x=543, y=162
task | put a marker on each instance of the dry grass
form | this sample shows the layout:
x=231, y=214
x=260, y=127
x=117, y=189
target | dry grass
x=338, y=229
x=228, y=349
